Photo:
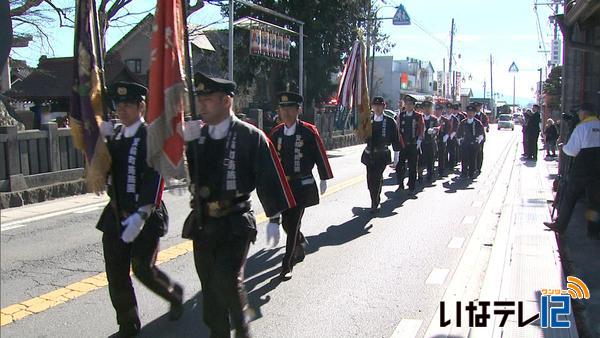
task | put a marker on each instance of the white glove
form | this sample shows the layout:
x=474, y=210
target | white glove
x=133, y=226
x=452, y=135
x=445, y=138
x=191, y=130
x=273, y=233
x=431, y=131
x=419, y=144
x=459, y=141
x=479, y=139
x=323, y=186
x=396, y=157
x=106, y=129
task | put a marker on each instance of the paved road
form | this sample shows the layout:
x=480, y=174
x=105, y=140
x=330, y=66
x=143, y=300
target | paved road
x=363, y=276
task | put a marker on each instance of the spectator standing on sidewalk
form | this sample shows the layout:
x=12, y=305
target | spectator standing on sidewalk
x=584, y=146
x=550, y=137
x=532, y=132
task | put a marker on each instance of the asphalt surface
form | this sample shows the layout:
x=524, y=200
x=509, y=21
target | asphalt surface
x=362, y=276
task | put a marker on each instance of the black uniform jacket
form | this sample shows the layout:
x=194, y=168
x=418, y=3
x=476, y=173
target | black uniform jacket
x=298, y=154
x=228, y=170
x=469, y=132
x=383, y=134
x=432, y=122
x=411, y=128
x=132, y=183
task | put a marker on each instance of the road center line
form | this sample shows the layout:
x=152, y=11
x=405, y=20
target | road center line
x=437, y=276
x=469, y=220
x=456, y=243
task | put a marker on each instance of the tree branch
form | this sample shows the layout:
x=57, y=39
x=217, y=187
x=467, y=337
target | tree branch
x=18, y=11
x=61, y=14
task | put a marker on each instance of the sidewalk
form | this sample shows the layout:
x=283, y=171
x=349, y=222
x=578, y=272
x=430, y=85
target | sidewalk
x=527, y=257
x=581, y=258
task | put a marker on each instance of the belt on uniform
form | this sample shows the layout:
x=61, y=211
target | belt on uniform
x=307, y=179
x=376, y=150
x=216, y=209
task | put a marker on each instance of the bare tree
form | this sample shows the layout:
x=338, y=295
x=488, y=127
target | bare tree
x=36, y=15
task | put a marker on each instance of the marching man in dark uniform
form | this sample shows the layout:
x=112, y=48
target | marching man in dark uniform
x=485, y=122
x=470, y=135
x=453, y=151
x=300, y=148
x=135, y=218
x=377, y=154
x=444, y=130
x=411, y=129
x=227, y=160
x=429, y=145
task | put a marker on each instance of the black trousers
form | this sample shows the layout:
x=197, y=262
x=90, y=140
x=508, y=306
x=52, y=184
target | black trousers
x=453, y=154
x=427, y=159
x=442, y=157
x=375, y=180
x=141, y=257
x=480, y=156
x=409, y=154
x=220, y=260
x=575, y=187
x=291, y=219
x=532, y=145
x=469, y=153
x=525, y=147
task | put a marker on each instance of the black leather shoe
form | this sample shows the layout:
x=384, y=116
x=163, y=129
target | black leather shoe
x=176, y=310
x=552, y=226
x=286, y=275
x=400, y=188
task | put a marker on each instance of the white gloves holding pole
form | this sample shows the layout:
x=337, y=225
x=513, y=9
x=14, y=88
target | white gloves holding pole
x=445, y=138
x=106, y=129
x=479, y=139
x=191, y=130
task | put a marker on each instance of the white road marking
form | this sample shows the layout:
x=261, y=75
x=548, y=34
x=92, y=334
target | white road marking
x=437, y=276
x=477, y=204
x=19, y=223
x=469, y=220
x=408, y=328
x=456, y=243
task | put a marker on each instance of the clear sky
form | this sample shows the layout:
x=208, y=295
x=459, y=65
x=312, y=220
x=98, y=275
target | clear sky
x=507, y=29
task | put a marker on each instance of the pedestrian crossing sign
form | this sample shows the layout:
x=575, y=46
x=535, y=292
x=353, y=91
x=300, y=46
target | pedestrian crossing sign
x=401, y=18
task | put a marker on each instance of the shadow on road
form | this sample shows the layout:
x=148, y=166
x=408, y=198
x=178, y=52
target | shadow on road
x=457, y=183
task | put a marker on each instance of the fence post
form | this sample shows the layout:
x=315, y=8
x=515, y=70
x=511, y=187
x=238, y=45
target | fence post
x=53, y=145
x=13, y=165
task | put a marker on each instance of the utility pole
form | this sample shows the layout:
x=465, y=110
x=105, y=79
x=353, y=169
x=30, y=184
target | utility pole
x=444, y=84
x=492, y=102
x=450, y=62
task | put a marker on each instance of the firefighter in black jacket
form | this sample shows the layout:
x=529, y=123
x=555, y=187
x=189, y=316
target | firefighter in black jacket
x=410, y=126
x=377, y=154
x=470, y=135
x=485, y=122
x=300, y=148
x=227, y=160
x=444, y=130
x=429, y=145
x=136, y=217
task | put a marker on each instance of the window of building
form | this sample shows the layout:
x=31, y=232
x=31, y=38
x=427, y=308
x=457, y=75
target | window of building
x=134, y=65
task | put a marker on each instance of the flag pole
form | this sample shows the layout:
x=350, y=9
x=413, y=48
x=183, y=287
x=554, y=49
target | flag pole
x=189, y=69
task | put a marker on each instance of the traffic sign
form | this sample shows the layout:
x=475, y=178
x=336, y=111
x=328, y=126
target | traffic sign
x=401, y=18
x=513, y=68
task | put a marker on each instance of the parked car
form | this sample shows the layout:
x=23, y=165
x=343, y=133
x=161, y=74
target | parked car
x=506, y=121
x=517, y=118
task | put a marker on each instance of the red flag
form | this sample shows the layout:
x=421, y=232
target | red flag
x=168, y=97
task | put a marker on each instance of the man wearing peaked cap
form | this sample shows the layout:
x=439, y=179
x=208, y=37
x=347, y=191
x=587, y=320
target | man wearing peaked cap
x=411, y=129
x=429, y=146
x=136, y=216
x=376, y=155
x=300, y=148
x=205, y=85
x=483, y=118
x=470, y=135
x=127, y=92
x=227, y=160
